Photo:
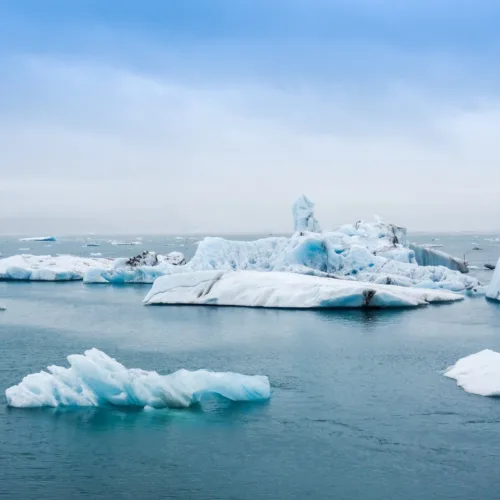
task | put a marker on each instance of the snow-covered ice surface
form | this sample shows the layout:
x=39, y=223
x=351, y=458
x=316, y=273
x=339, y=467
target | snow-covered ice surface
x=493, y=290
x=95, y=379
x=47, y=268
x=284, y=290
x=95, y=270
x=478, y=373
x=39, y=238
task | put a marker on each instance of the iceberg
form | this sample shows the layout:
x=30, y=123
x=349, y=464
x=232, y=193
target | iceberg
x=125, y=243
x=364, y=252
x=303, y=215
x=143, y=268
x=39, y=238
x=94, y=269
x=478, y=373
x=373, y=252
x=284, y=290
x=493, y=290
x=426, y=256
x=47, y=268
x=95, y=379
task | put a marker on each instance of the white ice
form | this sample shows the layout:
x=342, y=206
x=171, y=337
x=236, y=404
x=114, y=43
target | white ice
x=47, y=267
x=284, y=290
x=95, y=379
x=144, y=268
x=125, y=243
x=95, y=270
x=39, y=238
x=364, y=252
x=478, y=373
x=303, y=215
x=493, y=290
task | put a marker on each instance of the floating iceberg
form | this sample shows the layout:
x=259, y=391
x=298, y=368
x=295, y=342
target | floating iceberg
x=125, y=243
x=47, y=268
x=95, y=379
x=370, y=252
x=284, y=290
x=347, y=253
x=493, y=290
x=144, y=268
x=303, y=215
x=94, y=269
x=39, y=238
x=478, y=373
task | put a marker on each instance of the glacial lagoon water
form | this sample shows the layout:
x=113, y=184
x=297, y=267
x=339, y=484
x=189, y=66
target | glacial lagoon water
x=359, y=410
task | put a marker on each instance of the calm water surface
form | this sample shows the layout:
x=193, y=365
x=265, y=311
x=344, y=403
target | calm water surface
x=360, y=409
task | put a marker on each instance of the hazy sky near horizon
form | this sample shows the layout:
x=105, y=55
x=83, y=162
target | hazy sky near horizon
x=214, y=115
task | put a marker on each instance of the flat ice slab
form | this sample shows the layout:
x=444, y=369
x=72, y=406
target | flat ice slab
x=48, y=268
x=478, y=373
x=284, y=290
x=95, y=379
x=141, y=269
x=39, y=238
x=493, y=290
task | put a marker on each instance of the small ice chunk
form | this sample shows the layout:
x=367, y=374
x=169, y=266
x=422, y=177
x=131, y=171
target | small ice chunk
x=478, y=373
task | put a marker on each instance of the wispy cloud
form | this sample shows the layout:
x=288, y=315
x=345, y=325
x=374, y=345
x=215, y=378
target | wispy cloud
x=220, y=131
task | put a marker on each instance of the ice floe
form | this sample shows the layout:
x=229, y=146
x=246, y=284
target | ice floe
x=95, y=379
x=47, y=268
x=284, y=290
x=39, y=238
x=478, y=373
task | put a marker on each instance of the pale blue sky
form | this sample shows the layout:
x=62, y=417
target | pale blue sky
x=214, y=115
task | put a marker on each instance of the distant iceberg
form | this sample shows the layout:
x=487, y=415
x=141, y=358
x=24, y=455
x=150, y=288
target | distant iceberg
x=303, y=215
x=95, y=379
x=47, y=267
x=125, y=243
x=39, y=238
x=144, y=268
x=284, y=290
x=478, y=373
x=493, y=290
x=98, y=270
